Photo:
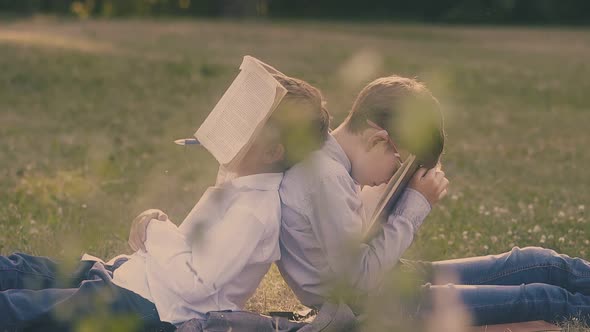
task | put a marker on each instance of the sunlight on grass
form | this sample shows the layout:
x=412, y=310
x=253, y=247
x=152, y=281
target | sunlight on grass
x=361, y=67
x=48, y=40
x=64, y=185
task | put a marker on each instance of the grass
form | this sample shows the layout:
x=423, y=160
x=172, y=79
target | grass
x=88, y=111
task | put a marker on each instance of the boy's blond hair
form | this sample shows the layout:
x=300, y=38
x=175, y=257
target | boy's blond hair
x=407, y=110
x=301, y=119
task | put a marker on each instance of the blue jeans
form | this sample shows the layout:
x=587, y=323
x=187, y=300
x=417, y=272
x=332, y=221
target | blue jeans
x=521, y=285
x=240, y=321
x=35, y=294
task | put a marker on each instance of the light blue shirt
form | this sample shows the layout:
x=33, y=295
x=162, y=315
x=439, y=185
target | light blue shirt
x=216, y=258
x=322, y=224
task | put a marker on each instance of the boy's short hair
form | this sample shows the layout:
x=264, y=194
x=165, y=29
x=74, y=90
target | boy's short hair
x=301, y=118
x=407, y=110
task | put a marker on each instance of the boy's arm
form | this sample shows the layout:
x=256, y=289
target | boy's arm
x=394, y=238
x=338, y=227
x=209, y=262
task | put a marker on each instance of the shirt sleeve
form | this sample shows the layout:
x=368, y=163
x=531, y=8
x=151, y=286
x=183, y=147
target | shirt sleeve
x=339, y=220
x=212, y=259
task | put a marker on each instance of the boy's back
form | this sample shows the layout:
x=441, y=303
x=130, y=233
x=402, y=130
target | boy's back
x=302, y=239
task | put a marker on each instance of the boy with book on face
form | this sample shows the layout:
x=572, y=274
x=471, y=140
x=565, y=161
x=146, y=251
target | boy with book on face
x=323, y=220
x=218, y=255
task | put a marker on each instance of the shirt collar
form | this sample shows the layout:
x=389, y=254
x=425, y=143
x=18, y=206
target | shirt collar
x=333, y=149
x=262, y=181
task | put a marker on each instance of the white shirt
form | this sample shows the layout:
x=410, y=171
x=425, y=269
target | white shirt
x=216, y=258
x=322, y=223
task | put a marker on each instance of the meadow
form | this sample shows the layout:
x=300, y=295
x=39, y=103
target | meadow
x=89, y=111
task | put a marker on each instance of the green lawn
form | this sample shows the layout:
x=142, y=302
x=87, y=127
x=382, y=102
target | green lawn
x=89, y=110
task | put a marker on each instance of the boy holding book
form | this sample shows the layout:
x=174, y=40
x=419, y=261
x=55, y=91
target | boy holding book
x=323, y=221
x=322, y=212
x=213, y=261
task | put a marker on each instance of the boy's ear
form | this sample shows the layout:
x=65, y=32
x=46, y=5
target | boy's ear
x=274, y=153
x=376, y=138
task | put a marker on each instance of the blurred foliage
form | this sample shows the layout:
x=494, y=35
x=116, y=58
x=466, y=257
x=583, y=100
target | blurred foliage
x=451, y=11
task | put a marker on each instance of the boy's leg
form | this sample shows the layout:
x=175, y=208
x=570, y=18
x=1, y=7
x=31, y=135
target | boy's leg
x=20, y=307
x=22, y=271
x=506, y=304
x=519, y=266
x=62, y=308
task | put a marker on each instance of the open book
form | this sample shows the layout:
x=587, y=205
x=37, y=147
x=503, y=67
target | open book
x=379, y=202
x=242, y=111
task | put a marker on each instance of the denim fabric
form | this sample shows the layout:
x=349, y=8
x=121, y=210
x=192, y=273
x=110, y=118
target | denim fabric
x=520, y=285
x=239, y=321
x=330, y=318
x=36, y=295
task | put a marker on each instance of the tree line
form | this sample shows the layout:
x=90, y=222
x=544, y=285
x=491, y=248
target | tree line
x=441, y=11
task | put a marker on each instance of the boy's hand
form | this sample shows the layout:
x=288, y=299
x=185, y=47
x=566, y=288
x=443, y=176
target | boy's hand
x=137, y=235
x=432, y=184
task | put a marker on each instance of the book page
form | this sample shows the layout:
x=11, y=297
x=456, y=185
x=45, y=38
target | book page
x=246, y=104
x=280, y=93
x=371, y=196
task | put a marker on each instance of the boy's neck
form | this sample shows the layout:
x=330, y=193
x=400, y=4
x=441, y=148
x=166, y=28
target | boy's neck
x=350, y=143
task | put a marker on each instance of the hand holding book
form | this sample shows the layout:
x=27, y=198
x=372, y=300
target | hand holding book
x=431, y=183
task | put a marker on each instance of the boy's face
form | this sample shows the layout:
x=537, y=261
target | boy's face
x=377, y=162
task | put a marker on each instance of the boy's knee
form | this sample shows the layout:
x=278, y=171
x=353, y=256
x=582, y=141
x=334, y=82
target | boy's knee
x=536, y=255
x=544, y=297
